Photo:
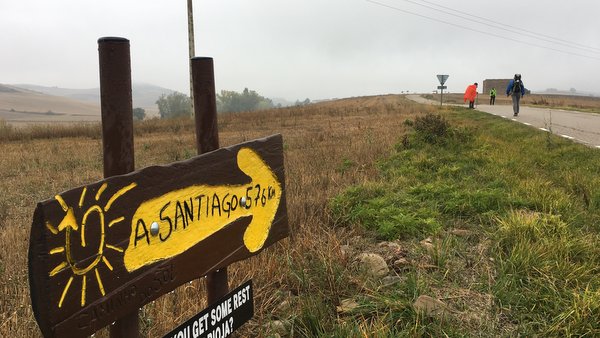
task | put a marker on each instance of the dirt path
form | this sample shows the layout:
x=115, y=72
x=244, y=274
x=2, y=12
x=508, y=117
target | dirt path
x=577, y=126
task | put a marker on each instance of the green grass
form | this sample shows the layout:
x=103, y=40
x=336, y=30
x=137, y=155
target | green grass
x=547, y=272
x=533, y=201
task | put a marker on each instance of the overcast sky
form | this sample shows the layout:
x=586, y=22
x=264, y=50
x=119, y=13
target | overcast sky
x=315, y=49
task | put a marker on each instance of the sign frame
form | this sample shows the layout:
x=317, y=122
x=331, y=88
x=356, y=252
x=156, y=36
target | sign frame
x=442, y=78
x=55, y=277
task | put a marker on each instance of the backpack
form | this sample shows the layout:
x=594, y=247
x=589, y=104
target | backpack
x=517, y=84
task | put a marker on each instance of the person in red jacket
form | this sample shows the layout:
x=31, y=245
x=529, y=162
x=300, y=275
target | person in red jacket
x=471, y=94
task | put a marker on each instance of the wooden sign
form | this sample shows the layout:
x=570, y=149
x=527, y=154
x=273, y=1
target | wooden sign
x=222, y=318
x=100, y=251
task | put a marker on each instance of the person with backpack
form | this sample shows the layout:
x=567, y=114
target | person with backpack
x=492, y=96
x=517, y=90
x=471, y=95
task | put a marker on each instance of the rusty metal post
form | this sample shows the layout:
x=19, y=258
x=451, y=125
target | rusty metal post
x=207, y=139
x=116, y=105
x=205, y=104
x=117, y=132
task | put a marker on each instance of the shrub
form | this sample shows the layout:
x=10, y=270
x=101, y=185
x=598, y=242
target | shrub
x=431, y=128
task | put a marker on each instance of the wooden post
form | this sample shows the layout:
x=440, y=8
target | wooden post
x=207, y=139
x=117, y=132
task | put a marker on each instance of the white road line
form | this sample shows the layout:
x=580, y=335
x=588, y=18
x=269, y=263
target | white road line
x=567, y=137
x=514, y=120
x=527, y=124
x=544, y=129
x=598, y=147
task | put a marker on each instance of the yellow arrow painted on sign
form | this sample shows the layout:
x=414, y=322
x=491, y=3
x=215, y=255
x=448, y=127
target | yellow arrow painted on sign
x=170, y=224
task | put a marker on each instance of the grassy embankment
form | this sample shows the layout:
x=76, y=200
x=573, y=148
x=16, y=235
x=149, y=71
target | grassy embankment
x=359, y=171
x=531, y=203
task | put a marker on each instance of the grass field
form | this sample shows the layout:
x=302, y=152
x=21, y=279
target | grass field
x=503, y=236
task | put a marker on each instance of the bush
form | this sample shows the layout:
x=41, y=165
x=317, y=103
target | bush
x=139, y=114
x=431, y=128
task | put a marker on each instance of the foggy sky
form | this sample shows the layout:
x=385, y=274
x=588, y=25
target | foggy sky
x=298, y=49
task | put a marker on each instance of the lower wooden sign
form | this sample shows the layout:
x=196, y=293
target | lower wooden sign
x=220, y=319
x=100, y=251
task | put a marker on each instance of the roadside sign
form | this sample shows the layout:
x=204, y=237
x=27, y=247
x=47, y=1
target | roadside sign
x=101, y=251
x=221, y=318
x=443, y=78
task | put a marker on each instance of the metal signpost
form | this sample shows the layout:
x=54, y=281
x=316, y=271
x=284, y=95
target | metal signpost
x=99, y=252
x=442, y=79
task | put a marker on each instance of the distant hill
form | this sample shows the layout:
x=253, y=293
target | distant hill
x=8, y=89
x=28, y=102
x=23, y=105
x=570, y=92
x=144, y=95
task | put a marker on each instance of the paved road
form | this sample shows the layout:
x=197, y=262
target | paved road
x=577, y=126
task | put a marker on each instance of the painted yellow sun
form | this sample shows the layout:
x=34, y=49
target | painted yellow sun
x=70, y=224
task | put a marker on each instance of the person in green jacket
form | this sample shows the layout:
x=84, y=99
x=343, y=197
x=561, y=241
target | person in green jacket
x=492, y=96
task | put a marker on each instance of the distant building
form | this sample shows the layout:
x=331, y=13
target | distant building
x=499, y=84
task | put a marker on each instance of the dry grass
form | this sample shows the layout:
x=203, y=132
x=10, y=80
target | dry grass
x=328, y=147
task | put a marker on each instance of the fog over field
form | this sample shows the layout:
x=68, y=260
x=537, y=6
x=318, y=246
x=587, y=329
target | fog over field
x=298, y=49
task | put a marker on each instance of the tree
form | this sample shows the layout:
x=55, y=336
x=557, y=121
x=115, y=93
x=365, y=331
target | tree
x=174, y=105
x=302, y=103
x=248, y=100
x=139, y=113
